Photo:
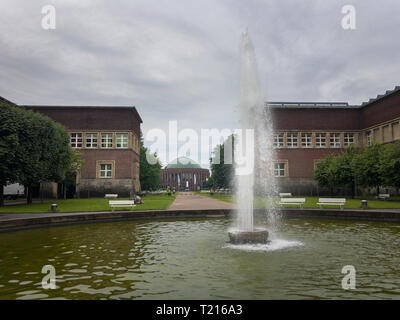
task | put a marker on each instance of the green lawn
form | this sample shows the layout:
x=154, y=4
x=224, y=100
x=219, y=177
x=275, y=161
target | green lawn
x=311, y=202
x=92, y=204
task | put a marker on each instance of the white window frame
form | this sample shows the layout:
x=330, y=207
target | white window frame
x=107, y=171
x=292, y=140
x=76, y=139
x=278, y=140
x=306, y=140
x=106, y=141
x=320, y=140
x=91, y=139
x=122, y=139
x=348, y=139
x=279, y=169
x=334, y=140
x=369, y=137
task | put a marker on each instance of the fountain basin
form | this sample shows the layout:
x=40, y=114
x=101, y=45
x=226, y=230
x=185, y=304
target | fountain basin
x=195, y=252
x=244, y=237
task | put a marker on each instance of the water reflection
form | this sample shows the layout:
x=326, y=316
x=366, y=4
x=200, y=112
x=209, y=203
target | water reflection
x=190, y=259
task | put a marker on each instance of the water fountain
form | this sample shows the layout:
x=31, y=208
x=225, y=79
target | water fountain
x=254, y=115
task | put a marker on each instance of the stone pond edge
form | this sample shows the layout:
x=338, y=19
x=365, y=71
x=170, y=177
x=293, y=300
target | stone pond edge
x=27, y=221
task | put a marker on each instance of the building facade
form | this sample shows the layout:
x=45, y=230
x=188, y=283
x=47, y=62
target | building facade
x=109, y=140
x=307, y=132
x=183, y=174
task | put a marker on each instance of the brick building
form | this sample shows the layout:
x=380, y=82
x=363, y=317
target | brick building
x=183, y=174
x=108, y=138
x=306, y=132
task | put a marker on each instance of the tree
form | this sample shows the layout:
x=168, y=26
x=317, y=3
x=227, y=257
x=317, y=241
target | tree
x=45, y=152
x=76, y=163
x=10, y=122
x=368, y=166
x=33, y=148
x=344, y=169
x=389, y=165
x=222, y=174
x=150, y=174
x=208, y=184
x=338, y=171
x=323, y=172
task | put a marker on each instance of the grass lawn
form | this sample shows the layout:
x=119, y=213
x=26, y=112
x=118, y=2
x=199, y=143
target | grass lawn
x=158, y=202
x=311, y=202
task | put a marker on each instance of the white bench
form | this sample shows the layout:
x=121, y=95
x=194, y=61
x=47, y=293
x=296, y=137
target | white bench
x=383, y=196
x=293, y=201
x=282, y=195
x=110, y=196
x=121, y=203
x=331, y=202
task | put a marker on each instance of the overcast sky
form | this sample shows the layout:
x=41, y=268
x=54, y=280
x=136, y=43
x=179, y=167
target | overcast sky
x=179, y=59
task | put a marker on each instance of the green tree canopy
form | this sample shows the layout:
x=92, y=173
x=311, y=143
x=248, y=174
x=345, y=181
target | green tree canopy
x=10, y=123
x=33, y=148
x=222, y=174
x=389, y=165
x=373, y=166
x=368, y=168
x=338, y=171
x=150, y=173
x=324, y=173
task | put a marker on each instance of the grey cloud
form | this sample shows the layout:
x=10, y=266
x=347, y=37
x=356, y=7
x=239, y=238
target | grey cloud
x=179, y=59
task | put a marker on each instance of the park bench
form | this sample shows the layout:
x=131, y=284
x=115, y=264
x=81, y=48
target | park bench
x=121, y=203
x=383, y=196
x=293, y=201
x=282, y=195
x=110, y=196
x=331, y=202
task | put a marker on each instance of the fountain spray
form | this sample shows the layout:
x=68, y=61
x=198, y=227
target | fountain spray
x=254, y=116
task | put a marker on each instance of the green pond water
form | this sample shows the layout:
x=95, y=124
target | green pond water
x=190, y=259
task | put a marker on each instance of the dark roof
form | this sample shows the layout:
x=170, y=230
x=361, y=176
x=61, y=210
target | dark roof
x=84, y=107
x=183, y=163
x=309, y=105
x=381, y=96
x=334, y=105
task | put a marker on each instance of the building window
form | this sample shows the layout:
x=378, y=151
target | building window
x=335, y=140
x=76, y=140
x=369, y=138
x=278, y=140
x=106, y=140
x=320, y=140
x=396, y=130
x=279, y=169
x=306, y=140
x=106, y=170
x=292, y=138
x=348, y=139
x=91, y=140
x=122, y=140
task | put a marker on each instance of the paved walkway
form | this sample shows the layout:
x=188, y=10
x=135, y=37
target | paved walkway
x=190, y=201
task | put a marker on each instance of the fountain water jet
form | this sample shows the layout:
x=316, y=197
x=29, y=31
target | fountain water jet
x=254, y=115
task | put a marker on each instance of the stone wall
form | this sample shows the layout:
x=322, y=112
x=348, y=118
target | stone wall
x=99, y=187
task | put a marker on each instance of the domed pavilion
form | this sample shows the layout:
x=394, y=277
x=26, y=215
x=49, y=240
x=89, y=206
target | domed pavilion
x=183, y=174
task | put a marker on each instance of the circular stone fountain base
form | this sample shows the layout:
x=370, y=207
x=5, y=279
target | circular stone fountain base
x=244, y=237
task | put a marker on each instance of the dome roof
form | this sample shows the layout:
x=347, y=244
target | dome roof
x=183, y=163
